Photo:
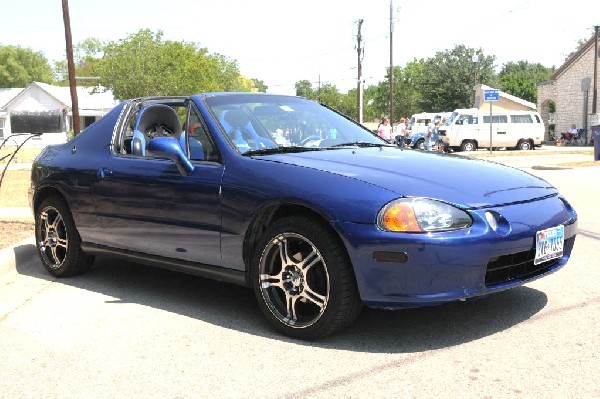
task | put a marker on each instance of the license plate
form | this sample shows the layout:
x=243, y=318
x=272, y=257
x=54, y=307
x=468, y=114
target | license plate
x=549, y=244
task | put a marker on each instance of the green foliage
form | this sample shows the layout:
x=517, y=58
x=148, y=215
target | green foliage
x=21, y=66
x=143, y=64
x=87, y=57
x=521, y=78
x=449, y=77
x=304, y=89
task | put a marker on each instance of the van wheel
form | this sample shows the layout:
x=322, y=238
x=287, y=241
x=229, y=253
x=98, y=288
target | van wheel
x=468, y=145
x=524, y=145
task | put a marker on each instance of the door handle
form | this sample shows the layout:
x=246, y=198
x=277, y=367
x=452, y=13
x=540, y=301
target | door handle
x=104, y=173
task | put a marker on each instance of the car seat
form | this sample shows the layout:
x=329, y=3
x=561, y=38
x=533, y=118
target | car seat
x=238, y=127
x=155, y=116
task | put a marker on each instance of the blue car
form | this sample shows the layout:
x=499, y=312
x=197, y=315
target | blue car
x=317, y=229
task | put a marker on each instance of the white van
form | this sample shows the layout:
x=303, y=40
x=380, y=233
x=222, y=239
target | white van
x=469, y=129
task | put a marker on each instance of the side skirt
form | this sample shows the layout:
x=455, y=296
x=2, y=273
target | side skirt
x=197, y=269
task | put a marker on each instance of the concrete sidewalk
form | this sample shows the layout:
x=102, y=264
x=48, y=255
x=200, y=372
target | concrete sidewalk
x=15, y=213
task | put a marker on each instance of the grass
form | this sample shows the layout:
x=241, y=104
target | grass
x=24, y=155
x=14, y=193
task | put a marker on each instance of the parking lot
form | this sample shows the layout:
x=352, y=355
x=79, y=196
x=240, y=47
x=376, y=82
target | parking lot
x=124, y=330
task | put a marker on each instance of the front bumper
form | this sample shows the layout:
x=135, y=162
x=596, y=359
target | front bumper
x=427, y=269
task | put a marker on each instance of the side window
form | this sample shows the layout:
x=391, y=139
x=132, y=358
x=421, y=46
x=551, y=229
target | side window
x=199, y=144
x=521, y=119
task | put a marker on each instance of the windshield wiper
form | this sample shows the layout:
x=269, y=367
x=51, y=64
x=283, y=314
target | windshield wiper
x=361, y=144
x=281, y=150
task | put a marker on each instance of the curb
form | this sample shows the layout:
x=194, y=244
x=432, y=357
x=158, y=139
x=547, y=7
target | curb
x=9, y=255
x=551, y=167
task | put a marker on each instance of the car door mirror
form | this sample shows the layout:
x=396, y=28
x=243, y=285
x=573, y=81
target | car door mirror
x=169, y=148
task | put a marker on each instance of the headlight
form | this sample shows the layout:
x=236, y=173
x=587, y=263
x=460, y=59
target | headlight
x=419, y=215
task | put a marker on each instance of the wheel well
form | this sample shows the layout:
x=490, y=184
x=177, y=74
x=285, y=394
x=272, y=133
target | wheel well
x=44, y=193
x=267, y=217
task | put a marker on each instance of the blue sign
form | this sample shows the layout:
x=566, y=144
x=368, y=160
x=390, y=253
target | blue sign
x=491, y=95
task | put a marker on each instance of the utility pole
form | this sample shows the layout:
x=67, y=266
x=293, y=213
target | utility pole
x=391, y=67
x=595, y=93
x=360, y=52
x=71, y=67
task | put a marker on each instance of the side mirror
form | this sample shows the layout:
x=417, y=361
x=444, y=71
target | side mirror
x=169, y=148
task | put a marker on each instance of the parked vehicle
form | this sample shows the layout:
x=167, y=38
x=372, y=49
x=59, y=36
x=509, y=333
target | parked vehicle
x=416, y=137
x=198, y=184
x=469, y=129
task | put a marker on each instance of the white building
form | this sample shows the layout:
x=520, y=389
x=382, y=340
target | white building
x=45, y=109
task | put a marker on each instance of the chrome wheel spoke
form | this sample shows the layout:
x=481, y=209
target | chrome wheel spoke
x=309, y=261
x=290, y=301
x=316, y=298
x=283, y=251
x=267, y=280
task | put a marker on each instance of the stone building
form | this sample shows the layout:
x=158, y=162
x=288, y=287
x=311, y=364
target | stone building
x=571, y=88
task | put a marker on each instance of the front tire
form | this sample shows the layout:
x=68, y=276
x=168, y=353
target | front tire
x=468, y=145
x=420, y=144
x=57, y=239
x=303, y=279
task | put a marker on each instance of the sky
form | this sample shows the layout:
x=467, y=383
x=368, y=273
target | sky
x=281, y=42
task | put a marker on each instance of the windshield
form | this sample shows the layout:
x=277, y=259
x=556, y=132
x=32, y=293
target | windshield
x=255, y=122
x=451, y=119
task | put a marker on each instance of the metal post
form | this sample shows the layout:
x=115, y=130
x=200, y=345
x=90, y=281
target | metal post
x=359, y=50
x=595, y=93
x=491, y=127
x=391, y=68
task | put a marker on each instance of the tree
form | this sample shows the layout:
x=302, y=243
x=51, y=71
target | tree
x=21, y=66
x=260, y=85
x=87, y=57
x=304, y=89
x=450, y=76
x=521, y=78
x=143, y=64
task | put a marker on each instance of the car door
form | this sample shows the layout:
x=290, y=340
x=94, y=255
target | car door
x=145, y=205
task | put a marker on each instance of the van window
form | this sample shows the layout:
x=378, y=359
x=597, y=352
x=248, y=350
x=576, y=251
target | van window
x=521, y=119
x=467, y=120
x=495, y=119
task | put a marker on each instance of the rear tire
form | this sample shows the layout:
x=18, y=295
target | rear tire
x=303, y=279
x=524, y=145
x=57, y=240
x=468, y=145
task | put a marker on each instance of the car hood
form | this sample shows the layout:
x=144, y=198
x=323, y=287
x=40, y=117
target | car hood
x=468, y=182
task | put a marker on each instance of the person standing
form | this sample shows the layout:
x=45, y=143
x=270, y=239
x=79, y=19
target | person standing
x=400, y=133
x=429, y=136
x=385, y=130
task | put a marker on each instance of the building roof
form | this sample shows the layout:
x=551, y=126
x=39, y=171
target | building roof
x=6, y=95
x=91, y=99
x=574, y=57
x=88, y=98
x=511, y=97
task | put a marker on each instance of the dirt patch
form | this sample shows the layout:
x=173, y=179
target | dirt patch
x=13, y=231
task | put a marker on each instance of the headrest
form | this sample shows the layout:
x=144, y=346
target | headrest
x=236, y=118
x=158, y=114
